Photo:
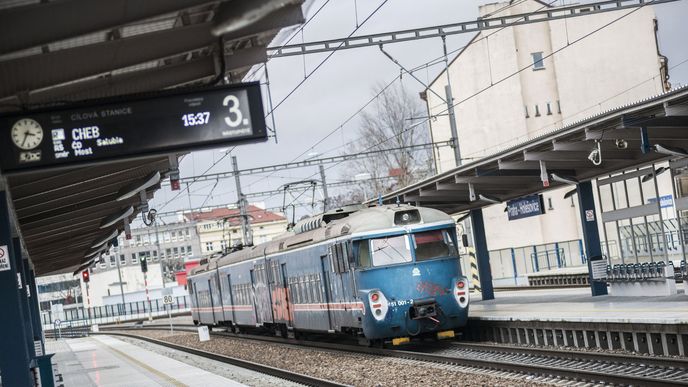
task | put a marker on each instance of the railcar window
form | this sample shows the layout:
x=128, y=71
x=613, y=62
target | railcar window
x=363, y=253
x=433, y=244
x=391, y=250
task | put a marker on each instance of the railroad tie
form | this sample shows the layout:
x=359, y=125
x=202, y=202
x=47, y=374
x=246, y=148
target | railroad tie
x=475, y=277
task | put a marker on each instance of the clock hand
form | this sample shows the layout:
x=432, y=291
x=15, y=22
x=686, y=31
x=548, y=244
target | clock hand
x=26, y=135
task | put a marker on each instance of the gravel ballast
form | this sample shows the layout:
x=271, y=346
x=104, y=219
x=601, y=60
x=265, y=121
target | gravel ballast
x=347, y=368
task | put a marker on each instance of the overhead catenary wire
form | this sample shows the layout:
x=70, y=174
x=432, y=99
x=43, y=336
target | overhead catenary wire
x=479, y=92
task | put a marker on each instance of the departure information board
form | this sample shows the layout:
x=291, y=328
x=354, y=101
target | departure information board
x=132, y=126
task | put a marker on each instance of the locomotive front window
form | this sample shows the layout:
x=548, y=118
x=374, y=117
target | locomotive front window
x=391, y=250
x=433, y=244
x=363, y=253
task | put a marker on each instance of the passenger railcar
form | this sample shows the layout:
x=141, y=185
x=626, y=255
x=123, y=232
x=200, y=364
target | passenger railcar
x=380, y=273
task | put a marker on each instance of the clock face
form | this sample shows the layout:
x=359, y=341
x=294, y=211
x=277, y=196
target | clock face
x=27, y=133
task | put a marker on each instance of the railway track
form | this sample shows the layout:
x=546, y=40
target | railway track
x=556, y=366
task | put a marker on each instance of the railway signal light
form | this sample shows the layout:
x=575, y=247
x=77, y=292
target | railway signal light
x=86, y=276
x=144, y=265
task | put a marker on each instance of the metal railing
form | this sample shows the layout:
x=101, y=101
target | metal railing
x=108, y=314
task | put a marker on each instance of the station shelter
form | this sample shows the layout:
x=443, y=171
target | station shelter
x=626, y=150
x=93, y=117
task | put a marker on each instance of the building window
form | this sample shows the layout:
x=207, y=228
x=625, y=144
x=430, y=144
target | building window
x=166, y=235
x=537, y=111
x=134, y=260
x=223, y=245
x=188, y=235
x=527, y=115
x=207, y=226
x=549, y=109
x=122, y=259
x=146, y=240
x=188, y=251
x=155, y=256
x=176, y=252
x=208, y=246
x=182, y=251
x=138, y=240
x=113, y=261
x=168, y=253
x=538, y=62
x=558, y=107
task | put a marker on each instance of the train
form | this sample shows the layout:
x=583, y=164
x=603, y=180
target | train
x=378, y=273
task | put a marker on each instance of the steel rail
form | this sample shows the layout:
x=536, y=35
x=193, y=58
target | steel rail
x=261, y=368
x=524, y=360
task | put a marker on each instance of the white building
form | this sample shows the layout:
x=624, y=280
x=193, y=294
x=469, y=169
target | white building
x=513, y=84
x=166, y=247
x=220, y=228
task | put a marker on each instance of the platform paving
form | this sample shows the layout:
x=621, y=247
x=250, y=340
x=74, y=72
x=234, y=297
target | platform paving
x=577, y=305
x=108, y=361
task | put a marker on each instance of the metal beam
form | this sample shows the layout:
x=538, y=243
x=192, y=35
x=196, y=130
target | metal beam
x=676, y=121
x=547, y=14
x=478, y=180
x=58, y=20
x=551, y=165
x=310, y=163
x=44, y=70
x=634, y=133
x=579, y=155
x=149, y=79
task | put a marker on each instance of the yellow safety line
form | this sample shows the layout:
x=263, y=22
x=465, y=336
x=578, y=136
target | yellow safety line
x=148, y=368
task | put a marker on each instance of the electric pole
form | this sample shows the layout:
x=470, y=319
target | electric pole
x=241, y=201
x=326, y=198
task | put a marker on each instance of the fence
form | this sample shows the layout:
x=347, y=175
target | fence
x=107, y=314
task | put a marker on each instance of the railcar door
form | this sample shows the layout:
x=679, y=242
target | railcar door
x=212, y=302
x=280, y=296
x=255, y=297
x=326, y=282
x=231, y=297
x=260, y=286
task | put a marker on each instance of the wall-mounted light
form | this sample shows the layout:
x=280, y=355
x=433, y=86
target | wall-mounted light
x=99, y=242
x=489, y=199
x=570, y=193
x=564, y=179
x=116, y=217
x=670, y=150
x=654, y=173
x=240, y=14
x=132, y=189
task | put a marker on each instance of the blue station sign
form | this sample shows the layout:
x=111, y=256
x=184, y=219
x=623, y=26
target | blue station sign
x=525, y=207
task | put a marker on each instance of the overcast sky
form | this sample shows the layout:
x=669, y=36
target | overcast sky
x=347, y=80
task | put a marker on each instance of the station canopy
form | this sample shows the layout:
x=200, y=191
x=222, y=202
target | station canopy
x=628, y=137
x=58, y=52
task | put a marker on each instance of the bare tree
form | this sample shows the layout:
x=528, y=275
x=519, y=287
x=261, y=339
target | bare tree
x=389, y=125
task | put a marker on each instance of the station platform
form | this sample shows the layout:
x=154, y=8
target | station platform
x=577, y=305
x=107, y=361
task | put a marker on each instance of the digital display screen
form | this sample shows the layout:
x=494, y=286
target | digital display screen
x=132, y=126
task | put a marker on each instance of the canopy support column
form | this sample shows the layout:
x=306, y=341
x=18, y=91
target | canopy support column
x=482, y=254
x=591, y=234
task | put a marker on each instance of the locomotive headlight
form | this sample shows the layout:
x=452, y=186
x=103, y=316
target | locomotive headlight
x=405, y=217
x=378, y=304
x=460, y=292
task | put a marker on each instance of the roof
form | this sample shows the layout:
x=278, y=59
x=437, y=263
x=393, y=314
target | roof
x=88, y=49
x=256, y=214
x=516, y=172
x=365, y=220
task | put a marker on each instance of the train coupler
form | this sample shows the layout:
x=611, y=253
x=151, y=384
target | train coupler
x=401, y=340
x=446, y=335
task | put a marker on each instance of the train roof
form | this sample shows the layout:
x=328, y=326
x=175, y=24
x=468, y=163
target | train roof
x=349, y=220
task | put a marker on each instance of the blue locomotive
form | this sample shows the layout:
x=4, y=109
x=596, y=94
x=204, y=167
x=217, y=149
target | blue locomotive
x=379, y=273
